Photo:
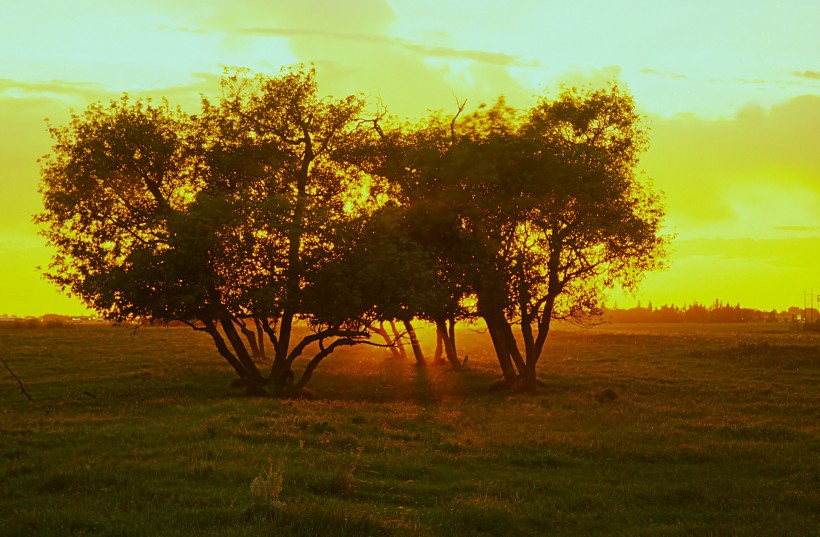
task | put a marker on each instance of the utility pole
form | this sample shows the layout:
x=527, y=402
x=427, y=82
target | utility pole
x=804, y=306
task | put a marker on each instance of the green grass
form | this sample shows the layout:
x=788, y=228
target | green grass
x=714, y=431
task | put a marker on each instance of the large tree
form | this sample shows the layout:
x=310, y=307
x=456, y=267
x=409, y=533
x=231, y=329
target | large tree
x=589, y=220
x=281, y=149
x=546, y=208
x=214, y=219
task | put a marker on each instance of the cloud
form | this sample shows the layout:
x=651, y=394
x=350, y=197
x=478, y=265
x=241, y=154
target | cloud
x=48, y=89
x=184, y=29
x=495, y=58
x=598, y=78
x=24, y=137
x=358, y=47
x=26, y=109
x=664, y=74
x=811, y=75
x=71, y=94
x=751, y=175
x=188, y=96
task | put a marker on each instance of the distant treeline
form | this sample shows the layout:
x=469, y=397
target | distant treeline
x=699, y=313
x=49, y=321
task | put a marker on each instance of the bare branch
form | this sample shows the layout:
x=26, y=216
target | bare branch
x=460, y=106
x=381, y=112
x=20, y=382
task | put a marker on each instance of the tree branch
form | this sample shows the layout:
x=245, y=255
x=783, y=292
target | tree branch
x=320, y=336
x=20, y=382
x=460, y=106
x=314, y=362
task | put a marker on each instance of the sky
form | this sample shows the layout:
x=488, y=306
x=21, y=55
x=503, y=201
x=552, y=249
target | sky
x=730, y=92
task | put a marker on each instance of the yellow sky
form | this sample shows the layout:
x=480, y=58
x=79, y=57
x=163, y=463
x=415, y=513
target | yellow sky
x=731, y=91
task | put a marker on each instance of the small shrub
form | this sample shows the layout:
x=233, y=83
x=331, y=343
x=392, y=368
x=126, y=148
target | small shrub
x=345, y=480
x=266, y=488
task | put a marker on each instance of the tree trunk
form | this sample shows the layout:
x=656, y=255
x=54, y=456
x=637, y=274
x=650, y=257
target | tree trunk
x=438, y=357
x=293, y=272
x=314, y=362
x=530, y=380
x=253, y=378
x=282, y=349
x=449, y=344
x=414, y=342
x=280, y=370
x=398, y=339
x=252, y=382
x=502, y=351
x=512, y=344
x=386, y=337
x=452, y=332
x=281, y=376
x=250, y=335
x=260, y=337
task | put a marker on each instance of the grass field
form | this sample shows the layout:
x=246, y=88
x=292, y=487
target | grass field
x=641, y=430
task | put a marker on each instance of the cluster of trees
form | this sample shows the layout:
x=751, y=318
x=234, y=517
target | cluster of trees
x=697, y=313
x=276, y=205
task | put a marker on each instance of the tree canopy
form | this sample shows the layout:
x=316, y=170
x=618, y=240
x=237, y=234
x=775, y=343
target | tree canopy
x=276, y=204
x=533, y=214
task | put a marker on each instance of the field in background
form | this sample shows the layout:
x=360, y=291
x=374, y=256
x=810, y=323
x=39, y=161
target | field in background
x=641, y=430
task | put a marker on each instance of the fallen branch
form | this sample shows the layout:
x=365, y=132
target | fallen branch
x=20, y=382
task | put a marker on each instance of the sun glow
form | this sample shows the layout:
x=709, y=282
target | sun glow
x=733, y=108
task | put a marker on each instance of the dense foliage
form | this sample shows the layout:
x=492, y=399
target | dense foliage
x=275, y=205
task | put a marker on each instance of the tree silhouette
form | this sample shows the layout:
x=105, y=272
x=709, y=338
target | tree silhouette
x=537, y=212
x=208, y=219
x=274, y=205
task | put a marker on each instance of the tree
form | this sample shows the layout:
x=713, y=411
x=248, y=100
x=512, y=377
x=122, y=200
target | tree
x=290, y=144
x=212, y=219
x=419, y=230
x=589, y=221
x=549, y=211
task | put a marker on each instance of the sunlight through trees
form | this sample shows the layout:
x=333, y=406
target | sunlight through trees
x=276, y=205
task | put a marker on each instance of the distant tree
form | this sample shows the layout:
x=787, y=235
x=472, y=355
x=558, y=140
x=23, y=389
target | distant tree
x=668, y=314
x=696, y=313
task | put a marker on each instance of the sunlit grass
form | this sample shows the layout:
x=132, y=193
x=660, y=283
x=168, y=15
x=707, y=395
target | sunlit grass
x=710, y=431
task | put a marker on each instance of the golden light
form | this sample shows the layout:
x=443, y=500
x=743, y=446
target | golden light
x=733, y=108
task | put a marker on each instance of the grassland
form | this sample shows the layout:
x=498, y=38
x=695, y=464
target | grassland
x=675, y=430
